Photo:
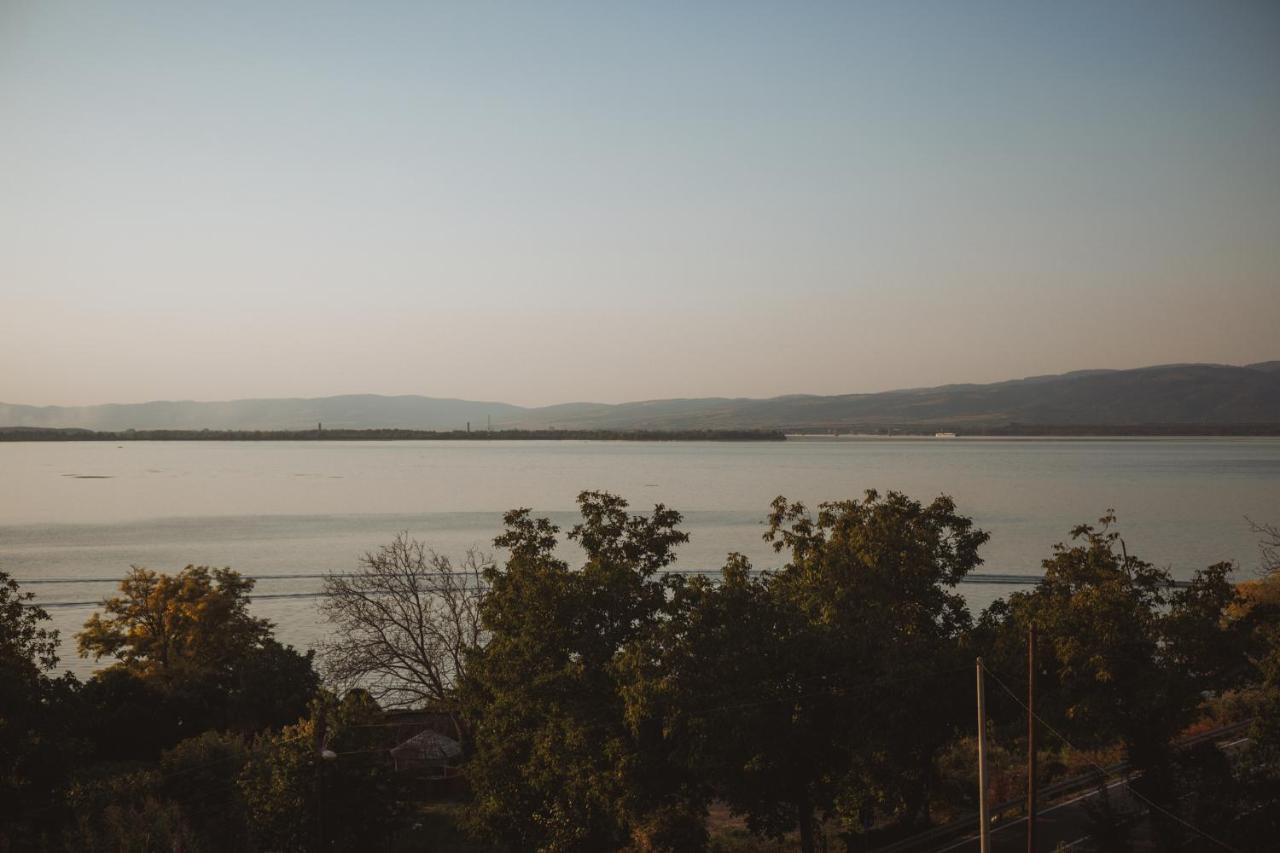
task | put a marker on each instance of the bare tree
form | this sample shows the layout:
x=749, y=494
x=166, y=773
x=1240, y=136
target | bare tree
x=403, y=623
x=1268, y=544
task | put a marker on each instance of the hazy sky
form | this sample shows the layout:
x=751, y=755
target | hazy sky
x=540, y=202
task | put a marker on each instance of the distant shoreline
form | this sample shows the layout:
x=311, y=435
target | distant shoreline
x=948, y=432
x=1259, y=430
x=55, y=434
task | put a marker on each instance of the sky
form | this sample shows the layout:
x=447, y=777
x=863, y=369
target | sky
x=547, y=202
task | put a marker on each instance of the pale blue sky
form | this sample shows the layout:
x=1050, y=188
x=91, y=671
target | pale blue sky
x=542, y=202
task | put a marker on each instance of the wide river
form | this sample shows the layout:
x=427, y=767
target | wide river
x=74, y=516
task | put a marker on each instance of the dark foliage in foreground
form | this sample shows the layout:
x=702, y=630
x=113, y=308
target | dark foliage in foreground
x=607, y=706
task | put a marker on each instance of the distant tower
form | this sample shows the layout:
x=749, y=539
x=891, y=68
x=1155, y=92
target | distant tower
x=468, y=426
x=319, y=427
x=488, y=423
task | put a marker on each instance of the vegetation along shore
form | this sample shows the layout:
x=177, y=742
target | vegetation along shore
x=518, y=702
x=748, y=435
x=322, y=434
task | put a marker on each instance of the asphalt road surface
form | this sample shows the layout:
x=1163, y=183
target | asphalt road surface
x=1062, y=823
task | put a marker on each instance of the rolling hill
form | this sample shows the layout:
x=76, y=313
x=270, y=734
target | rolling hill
x=1179, y=394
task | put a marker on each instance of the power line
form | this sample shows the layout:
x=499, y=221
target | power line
x=1103, y=771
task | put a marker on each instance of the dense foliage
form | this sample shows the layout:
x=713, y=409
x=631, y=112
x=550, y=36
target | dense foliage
x=555, y=762
x=37, y=749
x=1122, y=655
x=188, y=658
x=611, y=705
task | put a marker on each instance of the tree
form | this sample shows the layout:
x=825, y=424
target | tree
x=168, y=627
x=129, y=718
x=190, y=654
x=555, y=763
x=870, y=638
x=719, y=691
x=298, y=800
x=1268, y=545
x=200, y=775
x=270, y=687
x=27, y=647
x=1122, y=656
x=36, y=709
x=114, y=810
x=404, y=624
x=1256, y=806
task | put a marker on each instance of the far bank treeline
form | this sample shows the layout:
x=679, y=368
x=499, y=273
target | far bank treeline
x=606, y=704
x=325, y=434
x=1012, y=430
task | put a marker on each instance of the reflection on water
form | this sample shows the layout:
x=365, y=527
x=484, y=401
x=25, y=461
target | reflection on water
x=90, y=510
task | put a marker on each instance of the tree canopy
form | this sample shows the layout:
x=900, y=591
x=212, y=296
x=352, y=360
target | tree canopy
x=610, y=704
x=166, y=626
x=37, y=747
x=1122, y=654
x=189, y=657
x=552, y=761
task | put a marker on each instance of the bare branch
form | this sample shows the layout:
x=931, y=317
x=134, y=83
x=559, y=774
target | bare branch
x=404, y=623
x=1268, y=544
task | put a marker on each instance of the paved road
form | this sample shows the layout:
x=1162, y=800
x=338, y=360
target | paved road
x=1063, y=823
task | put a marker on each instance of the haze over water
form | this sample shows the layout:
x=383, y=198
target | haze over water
x=84, y=512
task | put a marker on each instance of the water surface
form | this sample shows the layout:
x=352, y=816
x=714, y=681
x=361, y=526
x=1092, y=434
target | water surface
x=83, y=512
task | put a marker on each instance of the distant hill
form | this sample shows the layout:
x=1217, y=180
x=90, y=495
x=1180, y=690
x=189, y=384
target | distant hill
x=353, y=411
x=1193, y=394
x=1197, y=395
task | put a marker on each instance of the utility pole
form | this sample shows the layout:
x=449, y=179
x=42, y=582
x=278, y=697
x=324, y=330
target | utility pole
x=319, y=744
x=984, y=819
x=1031, y=738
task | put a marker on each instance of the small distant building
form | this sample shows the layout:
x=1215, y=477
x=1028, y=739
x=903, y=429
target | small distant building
x=427, y=751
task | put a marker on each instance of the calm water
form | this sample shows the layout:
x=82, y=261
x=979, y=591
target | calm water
x=85, y=512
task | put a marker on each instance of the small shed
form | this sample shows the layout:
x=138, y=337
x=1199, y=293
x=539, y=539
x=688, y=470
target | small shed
x=428, y=750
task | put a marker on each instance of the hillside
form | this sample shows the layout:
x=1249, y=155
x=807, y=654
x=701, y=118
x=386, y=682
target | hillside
x=1173, y=394
x=1188, y=394
x=353, y=411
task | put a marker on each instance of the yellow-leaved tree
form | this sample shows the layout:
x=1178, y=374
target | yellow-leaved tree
x=194, y=623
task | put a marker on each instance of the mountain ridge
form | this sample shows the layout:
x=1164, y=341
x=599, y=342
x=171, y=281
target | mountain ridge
x=1189, y=393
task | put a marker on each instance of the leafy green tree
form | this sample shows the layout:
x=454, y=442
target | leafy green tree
x=820, y=689
x=36, y=710
x=722, y=691
x=1254, y=801
x=126, y=717
x=298, y=800
x=555, y=764
x=1122, y=656
x=270, y=687
x=877, y=578
x=124, y=810
x=280, y=787
x=201, y=775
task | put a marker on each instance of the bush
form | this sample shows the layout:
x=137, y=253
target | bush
x=201, y=775
x=122, y=811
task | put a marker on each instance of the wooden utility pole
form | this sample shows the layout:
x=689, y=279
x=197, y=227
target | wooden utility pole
x=319, y=744
x=1031, y=739
x=984, y=819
